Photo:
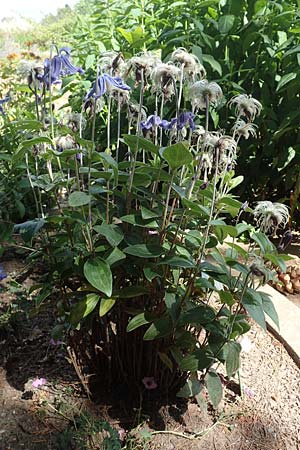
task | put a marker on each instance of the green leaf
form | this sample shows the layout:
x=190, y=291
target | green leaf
x=89, y=62
x=166, y=360
x=139, y=320
x=160, y=328
x=176, y=155
x=131, y=291
x=227, y=298
x=285, y=79
x=173, y=305
x=198, y=360
x=137, y=220
x=98, y=274
x=29, y=229
x=83, y=308
x=215, y=65
x=263, y=241
x=226, y=23
x=105, y=305
x=214, y=388
x=190, y=389
x=115, y=256
x=136, y=143
x=112, y=233
x=79, y=198
x=269, y=308
x=144, y=250
x=232, y=354
x=177, y=261
x=200, y=315
x=149, y=214
x=253, y=304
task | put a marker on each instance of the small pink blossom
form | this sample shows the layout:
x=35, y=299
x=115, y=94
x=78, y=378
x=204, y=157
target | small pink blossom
x=55, y=343
x=152, y=232
x=249, y=392
x=149, y=383
x=122, y=434
x=38, y=382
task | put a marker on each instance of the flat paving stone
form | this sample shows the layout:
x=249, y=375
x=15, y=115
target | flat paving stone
x=289, y=322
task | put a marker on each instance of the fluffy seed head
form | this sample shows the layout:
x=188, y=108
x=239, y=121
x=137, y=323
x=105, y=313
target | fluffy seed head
x=202, y=90
x=246, y=106
x=269, y=216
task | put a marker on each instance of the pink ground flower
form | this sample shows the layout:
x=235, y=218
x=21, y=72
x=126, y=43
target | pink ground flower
x=249, y=392
x=149, y=383
x=38, y=382
x=54, y=343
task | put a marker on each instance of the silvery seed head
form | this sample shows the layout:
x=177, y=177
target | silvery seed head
x=246, y=106
x=203, y=91
x=191, y=65
x=244, y=129
x=65, y=142
x=141, y=66
x=75, y=121
x=269, y=216
x=134, y=113
x=112, y=62
x=33, y=71
x=163, y=79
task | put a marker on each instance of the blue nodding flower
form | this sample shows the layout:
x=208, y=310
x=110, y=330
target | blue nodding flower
x=103, y=83
x=285, y=241
x=2, y=101
x=3, y=274
x=59, y=65
x=151, y=122
x=183, y=119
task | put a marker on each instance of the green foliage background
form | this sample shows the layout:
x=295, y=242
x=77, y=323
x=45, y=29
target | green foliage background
x=247, y=46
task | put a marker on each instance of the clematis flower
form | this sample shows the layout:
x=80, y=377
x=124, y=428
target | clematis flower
x=106, y=83
x=2, y=102
x=202, y=90
x=3, y=274
x=285, y=241
x=246, y=106
x=270, y=216
x=59, y=65
x=38, y=382
x=149, y=383
x=152, y=121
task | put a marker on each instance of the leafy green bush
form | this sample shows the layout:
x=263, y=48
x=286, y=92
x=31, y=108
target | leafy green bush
x=140, y=229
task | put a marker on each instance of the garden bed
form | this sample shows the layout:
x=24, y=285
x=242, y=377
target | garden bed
x=265, y=418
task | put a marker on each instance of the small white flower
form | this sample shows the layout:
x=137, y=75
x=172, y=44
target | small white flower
x=270, y=216
x=202, y=90
x=246, y=106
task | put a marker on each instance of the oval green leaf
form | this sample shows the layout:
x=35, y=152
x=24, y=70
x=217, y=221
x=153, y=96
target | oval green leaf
x=79, y=199
x=98, y=274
